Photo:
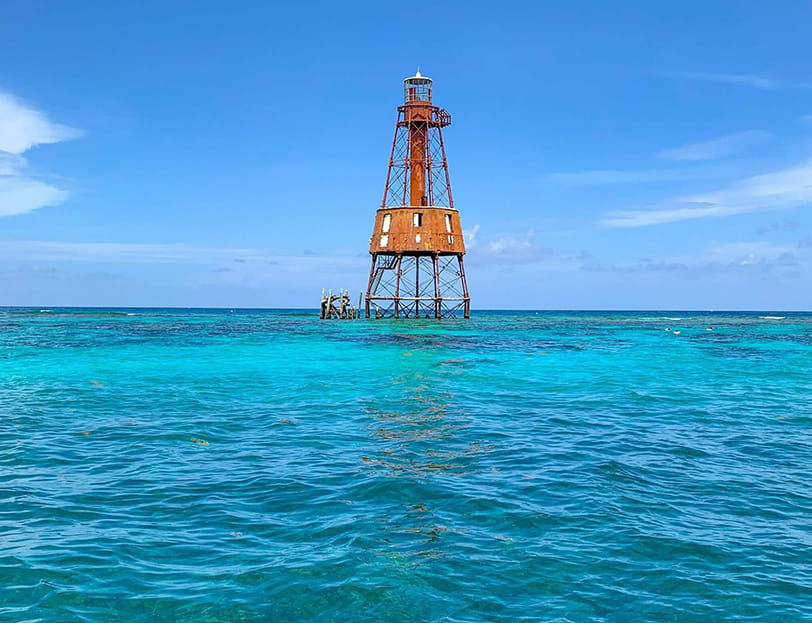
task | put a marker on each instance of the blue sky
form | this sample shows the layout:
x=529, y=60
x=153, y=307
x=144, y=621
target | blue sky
x=603, y=155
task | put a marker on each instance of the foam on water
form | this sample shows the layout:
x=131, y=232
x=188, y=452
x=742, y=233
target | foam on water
x=177, y=465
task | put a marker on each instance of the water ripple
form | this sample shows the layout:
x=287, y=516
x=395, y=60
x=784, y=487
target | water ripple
x=209, y=465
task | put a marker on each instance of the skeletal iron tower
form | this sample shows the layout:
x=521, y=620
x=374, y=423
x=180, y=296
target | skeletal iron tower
x=417, y=244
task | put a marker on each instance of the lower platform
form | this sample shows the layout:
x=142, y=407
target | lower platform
x=417, y=286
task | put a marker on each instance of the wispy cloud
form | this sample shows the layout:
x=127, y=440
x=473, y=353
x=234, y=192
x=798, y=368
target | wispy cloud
x=513, y=250
x=506, y=248
x=750, y=80
x=21, y=128
x=470, y=235
x=727, y=145
x=733, y=257
x=720, y=147
x=154, y=253
x=748, y=253
x=11, y=164
x=607, y=177
x=44, y=250
x=33, y=272
x=747, y=80
x=787, y=188
x=778, y=226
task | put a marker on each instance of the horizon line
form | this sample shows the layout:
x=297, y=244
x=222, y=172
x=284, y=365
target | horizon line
x=496, y=309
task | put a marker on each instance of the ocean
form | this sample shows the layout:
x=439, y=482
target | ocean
x=247, y=465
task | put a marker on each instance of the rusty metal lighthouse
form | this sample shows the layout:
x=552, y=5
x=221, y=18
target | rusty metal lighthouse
x=417, y=244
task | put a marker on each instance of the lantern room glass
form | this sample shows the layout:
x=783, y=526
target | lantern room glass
x=417, y=89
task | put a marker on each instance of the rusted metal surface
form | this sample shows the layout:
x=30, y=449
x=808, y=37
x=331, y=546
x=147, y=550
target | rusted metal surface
x=439, y=231
x=417, y=244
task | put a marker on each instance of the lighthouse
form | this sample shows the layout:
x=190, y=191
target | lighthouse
x=417, y=245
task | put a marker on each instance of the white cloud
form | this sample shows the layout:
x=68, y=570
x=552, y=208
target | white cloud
x=507, y=249
x=783, y=189
x=719, y=147
x=470, y=236
x=19, y=195
x=21, y=128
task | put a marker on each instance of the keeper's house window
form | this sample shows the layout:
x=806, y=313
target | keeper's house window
x=417, y=219
x=387, y=221
x=448, y=223
x=384, y=240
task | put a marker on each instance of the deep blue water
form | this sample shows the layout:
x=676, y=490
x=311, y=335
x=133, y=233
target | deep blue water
x=216, y=465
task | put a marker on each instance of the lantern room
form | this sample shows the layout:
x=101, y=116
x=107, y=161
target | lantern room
x=417, y=89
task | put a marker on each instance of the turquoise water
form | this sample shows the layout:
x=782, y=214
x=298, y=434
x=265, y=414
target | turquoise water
x=194, y=465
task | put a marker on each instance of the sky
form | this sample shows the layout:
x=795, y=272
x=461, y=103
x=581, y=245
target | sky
x=603, y=155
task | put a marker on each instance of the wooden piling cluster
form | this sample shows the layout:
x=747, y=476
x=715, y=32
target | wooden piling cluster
x=338, y=307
